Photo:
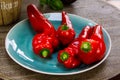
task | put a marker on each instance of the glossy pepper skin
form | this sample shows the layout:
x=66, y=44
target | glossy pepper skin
x=98, y=36
x=39, y=23
x=73, y=60
x=85, y=33
x=69, y=56
x=65, y=32
x=42, y=45
x=92, y=49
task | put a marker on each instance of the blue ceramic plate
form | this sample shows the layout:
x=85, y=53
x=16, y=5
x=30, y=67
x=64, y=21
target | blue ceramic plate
x=18, y=46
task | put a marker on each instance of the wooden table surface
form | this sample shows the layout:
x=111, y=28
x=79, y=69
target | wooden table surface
x=96, y=10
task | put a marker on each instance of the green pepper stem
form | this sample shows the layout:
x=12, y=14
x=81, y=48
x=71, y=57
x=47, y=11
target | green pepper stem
x=64, y=27
x=86, y=46
x=64, y=56
x=44, y=53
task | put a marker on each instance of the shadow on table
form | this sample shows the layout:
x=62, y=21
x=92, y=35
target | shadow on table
x=117, y=77
x=1, y=79
x=83, y=76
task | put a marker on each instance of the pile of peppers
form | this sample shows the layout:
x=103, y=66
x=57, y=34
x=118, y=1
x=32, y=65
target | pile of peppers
x=89, y=47
x=45, y=40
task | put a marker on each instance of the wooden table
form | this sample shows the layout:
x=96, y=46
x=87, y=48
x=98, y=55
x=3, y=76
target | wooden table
x=96, y=10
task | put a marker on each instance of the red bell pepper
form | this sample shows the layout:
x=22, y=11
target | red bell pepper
x=73, y=60
x=42, y=45
x=92, y=49
x=65, y=32
x=85, y=33
x=39, y=23
x=98, y=36
x=69, y=56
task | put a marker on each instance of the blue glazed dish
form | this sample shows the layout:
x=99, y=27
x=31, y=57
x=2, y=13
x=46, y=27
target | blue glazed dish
x=18, y=44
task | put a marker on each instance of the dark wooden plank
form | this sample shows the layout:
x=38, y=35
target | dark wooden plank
x=96, y=10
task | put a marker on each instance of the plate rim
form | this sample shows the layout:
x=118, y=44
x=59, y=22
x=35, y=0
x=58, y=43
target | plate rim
x=52, y=73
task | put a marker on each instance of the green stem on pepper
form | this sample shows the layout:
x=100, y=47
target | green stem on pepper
x=64, y=56
x=69, y=56
x=65, y=31
x=92, y=48
x=86, y=46
x=44, y=53
x=64, y=27
x=42, y=45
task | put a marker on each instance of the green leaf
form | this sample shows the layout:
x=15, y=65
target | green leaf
x=55, y=4
x=43, y=2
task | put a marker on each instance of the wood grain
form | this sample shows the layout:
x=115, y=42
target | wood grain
x=9, y=11
x=96, y=10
